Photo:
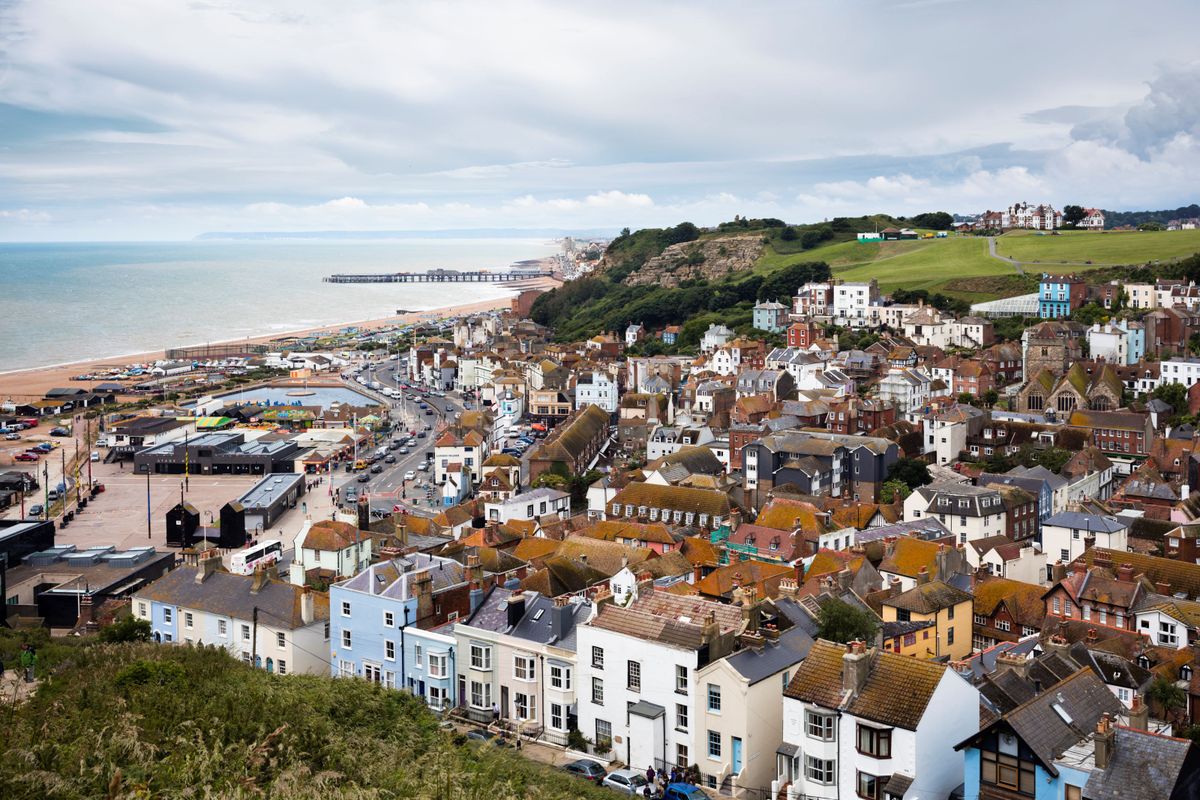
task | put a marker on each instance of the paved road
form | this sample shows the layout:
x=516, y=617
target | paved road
x=1011, y=261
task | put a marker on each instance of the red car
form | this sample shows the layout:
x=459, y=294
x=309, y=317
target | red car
x=25, y=457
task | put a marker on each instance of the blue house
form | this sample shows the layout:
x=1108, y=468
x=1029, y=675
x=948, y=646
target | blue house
x=1059, y=295
x=391, y=625
x=770, y=316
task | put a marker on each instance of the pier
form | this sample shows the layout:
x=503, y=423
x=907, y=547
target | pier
x=442, y=276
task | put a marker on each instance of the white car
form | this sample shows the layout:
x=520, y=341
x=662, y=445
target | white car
x=625, y=780
x=410, y=476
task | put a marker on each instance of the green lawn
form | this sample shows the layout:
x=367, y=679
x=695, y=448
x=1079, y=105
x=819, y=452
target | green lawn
x=1110, y=247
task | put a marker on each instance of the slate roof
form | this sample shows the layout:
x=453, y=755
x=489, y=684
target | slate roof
x=897, y=690
x=229, y=595
x=1143, y=766
x=756, y=664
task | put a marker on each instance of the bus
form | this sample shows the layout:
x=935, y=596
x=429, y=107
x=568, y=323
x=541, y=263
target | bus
x=263, y=554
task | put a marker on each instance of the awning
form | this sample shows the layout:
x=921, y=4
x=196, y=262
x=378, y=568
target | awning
x=790, y=750
x=646, y=709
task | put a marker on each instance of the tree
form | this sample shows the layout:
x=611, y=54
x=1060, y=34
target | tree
x=549, y=480
x=1152, y=226
x=1173, y=393
x=893, y=490
x=966, y=398
x=991, y=397
x=1164, y=696
x=934, y=220
x=842, y=622
x=788, y=234
x=1072, y=216
x=1090, y=314
x=127, y=629
x=911, y=472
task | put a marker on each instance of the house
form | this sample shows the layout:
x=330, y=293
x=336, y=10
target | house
x=852, y=301
x=911, y=561
x=859, y=722
x=386, y=618
x=1093, y=220
x=328, y=550
x=716, y=336
x=908, y=389
x=940, y=603
x=1060, y=295
x=634, y=334
x=1005, y=610
x=517, y=656
x=818, y=463
x=641, y=698
x=969, y=512
x=1054, y=346
x=531, y=505
x=706, y=509
x=1168, y=621
x=573, y=444
x=665, y=441
x=770, y=316
x=1115, y=433
x=744, y=707
x=1101, y=596
x=463, y=447
x=601, y=390
x=1119, y=342
x=266, y=622
x=1068, y=534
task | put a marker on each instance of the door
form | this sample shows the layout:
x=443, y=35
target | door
x=736, y=747
x=504, y=702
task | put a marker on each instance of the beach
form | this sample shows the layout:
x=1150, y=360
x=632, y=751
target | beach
x=33, y=383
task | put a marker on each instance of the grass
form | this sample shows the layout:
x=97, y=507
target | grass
x=1108, y=248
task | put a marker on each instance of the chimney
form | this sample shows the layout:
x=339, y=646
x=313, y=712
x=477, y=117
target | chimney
x=856, y=667
x=561, y=617
x=1104, y=742
x=401, y=530
x=87, y=612
x=1058, y=644
x=1017, y=663
x=1092, y=638
x=922, y=576
x=1058, y=572
x=1139, y=714
x=1125, y=573
x=422, y=588
x=697, y=573
x=889, y=546
x=260, y=580
x=893, y=587
x=364, y=513
x=307, y=610
x=208, y=563
x=1162, y=587
x=515, y=608
x=844, y=577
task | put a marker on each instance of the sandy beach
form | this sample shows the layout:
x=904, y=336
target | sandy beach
x=27, y=384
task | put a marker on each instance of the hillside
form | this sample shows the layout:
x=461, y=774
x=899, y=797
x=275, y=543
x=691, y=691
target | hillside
x=139, y=720
x=1110, y=247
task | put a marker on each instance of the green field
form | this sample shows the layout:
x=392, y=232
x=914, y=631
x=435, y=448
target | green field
x=1110, y=247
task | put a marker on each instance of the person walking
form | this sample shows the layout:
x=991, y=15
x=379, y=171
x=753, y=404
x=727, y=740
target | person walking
x=29, y=662
x=650, y=774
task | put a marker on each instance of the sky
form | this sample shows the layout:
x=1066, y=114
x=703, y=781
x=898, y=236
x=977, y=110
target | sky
x=153, y=120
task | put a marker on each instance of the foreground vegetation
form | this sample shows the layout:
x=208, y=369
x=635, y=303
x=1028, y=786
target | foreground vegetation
x=139, y=720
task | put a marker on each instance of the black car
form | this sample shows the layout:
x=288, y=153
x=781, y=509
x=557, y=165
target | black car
x=364, y=477
x=587, y=769
x=377, y=468
x=390, y=459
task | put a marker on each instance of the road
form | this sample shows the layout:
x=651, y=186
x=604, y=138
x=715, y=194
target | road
x=1011, y=261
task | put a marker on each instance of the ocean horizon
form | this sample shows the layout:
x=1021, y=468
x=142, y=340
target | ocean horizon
x=69, y=302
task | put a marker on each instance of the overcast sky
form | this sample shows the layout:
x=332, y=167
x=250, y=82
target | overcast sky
x=162, y=119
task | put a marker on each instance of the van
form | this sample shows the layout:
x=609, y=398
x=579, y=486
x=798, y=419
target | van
x=95, y=456
x=360, y=464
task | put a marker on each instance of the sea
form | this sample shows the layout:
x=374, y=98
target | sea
x=62, y=303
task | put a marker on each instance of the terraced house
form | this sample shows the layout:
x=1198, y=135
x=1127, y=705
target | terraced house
x=1005, y=611
x=817, y=463
x=573, y=445
x=706, y=509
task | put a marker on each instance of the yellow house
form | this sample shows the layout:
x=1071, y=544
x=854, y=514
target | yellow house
x=909, y=638
x=947, y=607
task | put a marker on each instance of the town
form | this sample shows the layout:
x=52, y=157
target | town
x=862, y=546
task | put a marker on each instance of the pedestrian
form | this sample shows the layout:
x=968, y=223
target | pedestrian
x=495, y=713
x=650, y=774
x=29, y=662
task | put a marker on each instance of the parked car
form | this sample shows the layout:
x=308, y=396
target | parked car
x=95, y=456
x=26, y=457
x=12, y=437
x=481, y=735
x=36, y=510
x=60, y=431
x=625, y=780
x=429, y=412
x=377, y=468
x=587, y=769
x=424, y=467
x=683, y=791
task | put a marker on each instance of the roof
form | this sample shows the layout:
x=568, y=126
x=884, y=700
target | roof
x=765, y=576
x=225, y=594
x=1023, y=600
x=331, y=534
x=929, y=598
x=1179, y=575
x=896, y=692
x=758, y=663
x=676, y=498
x=572, y=440
x=909, y=556
x=674, y=620
x=1143, y=766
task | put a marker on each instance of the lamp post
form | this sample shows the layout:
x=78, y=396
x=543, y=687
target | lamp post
x=148, y=501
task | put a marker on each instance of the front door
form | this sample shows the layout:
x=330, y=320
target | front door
x=504, y=702
x=737, y=754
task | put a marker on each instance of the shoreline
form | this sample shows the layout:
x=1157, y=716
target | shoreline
x=36, y=381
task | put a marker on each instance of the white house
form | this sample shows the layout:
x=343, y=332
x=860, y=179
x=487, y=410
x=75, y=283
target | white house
x=600, y=391
x=852, y=301
x=862, y=723
x=969, y=512
x=907, y=389
x=1180, y=370
x=529, y=505
x=1168, y=621
x=716, y=336
x=263, y=621
x=640, y=699
x=1065, y=535
x=337, y=549
x=665, y=440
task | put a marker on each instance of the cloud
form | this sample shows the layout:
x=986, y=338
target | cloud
x=24, y=215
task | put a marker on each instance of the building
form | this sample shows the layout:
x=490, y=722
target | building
x=226, y=453
x=852, y=303
x=770, y=316
x=818, y=463
x=641, y=699
x=969, y=512
x=706, y=509
x=1060, y=295
x=1093, y=220
x=517, y=658
x=1115, y=433
x=573, y=445
x=716, y=336
x=270, y=499
x=947, y=607
x=531, y=505
x=263, y=621
x=1068, y=534
x=386, y=622
x=1005, y=610
x=908, y=389
x=601, y=390
x=859, y=722
x=327, y=551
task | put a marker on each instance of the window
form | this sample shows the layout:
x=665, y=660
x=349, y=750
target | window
x=523, y=668
x=819, y=770
x=714, y=744
x=141, y=609
x=874, y=742
x=598, y=691
x=1007, y=771
x=246, y=633
x=280, y=640
x=603, y=734
x=560, y=677
x=980, y=619
x=681, y=756
x=389, y=619
x=222, y=628
x=346, y=643
x=633, y=672
x=481, y=657
x=525, y=705
x=1002, y=625
x=558, y=719
x=437, y=665
x=389, y=650
x=869, y=786
x=345, y=608
x=950, y=636
x=1072, y=792
x=481, y=694
x=950, y=612
x=418, y=654
x=1057, y=606
x=819, y=726
x=282, y=666
x=714, y=698
x=681, y=717
x=326, y=631
x=1166, y=633
x=681, y=679
x=598, y=657
x=188, y=619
